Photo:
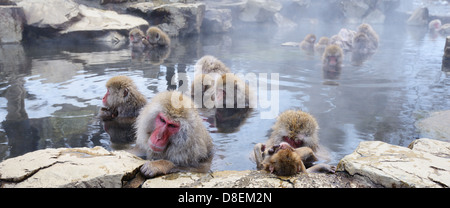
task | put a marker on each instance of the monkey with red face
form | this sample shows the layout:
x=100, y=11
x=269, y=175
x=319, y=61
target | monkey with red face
x=171, y=132
x=122, y=99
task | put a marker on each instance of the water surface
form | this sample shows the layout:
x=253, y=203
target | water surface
x=50, y=93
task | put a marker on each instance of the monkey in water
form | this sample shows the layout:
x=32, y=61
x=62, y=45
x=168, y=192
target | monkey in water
x=122, y=99
x=298, y=130
x=321, y=45
x=209, y=64
x=137, y=39
x=307, y=44
x=332, y=62
x=371, y=34
x=157, y=38
x=171, y=132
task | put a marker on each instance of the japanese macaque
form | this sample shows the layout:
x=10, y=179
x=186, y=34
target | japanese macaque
x=435, y=25
x=332, y=56
x=371, y=34
x=297, y=128
x=203, y=90
x=122, y=99
x=137, y=39
x=291, y=146
x=157, y=38
x=231, y=86
x=332, y=62
x=171, y=132
x=308, y=43
x=321, y=45
x=210, y=64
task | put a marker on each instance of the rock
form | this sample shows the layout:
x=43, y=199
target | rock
x=395, y=166
x=101, y=20
x=354, y=10
x=178, y=19
x=65, y=167
x=283, y=22
x=217, y=21
x=369, y=11
x=56, y=14
x=419, y=17
x=11, y=24
x=256, y=179
x=259, y=11
x=436, y=126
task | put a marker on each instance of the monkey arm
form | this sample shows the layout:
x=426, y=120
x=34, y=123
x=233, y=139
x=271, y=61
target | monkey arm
x=157, y=167
x=258, y=155
x=307, y=155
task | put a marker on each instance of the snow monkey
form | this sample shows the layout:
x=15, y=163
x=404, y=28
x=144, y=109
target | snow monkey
x=157, y=38
x=137, y=38
x=332, y=56
x=171, y=132
x=122, y=99
x=297, y=133
x=371, y=34
x=308, y=43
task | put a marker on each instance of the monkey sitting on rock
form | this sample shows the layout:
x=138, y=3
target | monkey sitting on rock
x=292, y=146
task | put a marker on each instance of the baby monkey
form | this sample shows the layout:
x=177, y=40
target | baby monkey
x=157, y=38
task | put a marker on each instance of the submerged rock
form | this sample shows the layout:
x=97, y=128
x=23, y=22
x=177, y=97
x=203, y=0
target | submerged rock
x=436, y=126
x=395, y=166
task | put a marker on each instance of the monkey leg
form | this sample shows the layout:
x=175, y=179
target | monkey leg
x=321, y=168
x=307, y=155
x=158, y=167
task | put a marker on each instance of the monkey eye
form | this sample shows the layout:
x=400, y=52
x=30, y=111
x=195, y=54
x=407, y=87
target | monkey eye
x=172, y=126
x=162, y=120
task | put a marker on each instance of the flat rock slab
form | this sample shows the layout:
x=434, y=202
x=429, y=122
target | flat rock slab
x=68, y=167
x=424, y=164
x=437, y=126
x=257, y=179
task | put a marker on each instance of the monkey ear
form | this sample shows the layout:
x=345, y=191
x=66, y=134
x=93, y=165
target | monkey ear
x=125, y=92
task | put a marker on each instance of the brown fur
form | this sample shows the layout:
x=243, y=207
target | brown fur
x=157, y=37
x=333, y=50
x=370, y=32
x=137, y=38
x=243, y=94
x=308, y=42
x=321, y=45
x=210, y=64
x=292, y=123
x=124, y=100
x=189, y=149
x=285, y=162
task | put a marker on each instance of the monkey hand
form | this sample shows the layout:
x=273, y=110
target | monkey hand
x=322, y=168
x=155, y=168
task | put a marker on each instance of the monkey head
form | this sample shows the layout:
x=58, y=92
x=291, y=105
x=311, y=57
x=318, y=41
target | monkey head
x=311, y=38
x=169, y=127
x=117, y=91
x=333, y=55
x=296, y=128
x=136, y=36
x=282, y=160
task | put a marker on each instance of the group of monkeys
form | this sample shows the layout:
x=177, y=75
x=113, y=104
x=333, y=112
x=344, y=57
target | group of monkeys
x=171, y=132
x=361, y=44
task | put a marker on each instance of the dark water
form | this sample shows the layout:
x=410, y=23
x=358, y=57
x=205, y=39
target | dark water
x=50, y=93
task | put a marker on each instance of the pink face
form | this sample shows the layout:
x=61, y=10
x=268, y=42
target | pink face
x=105, y=98
x=164, y=129
x=332, y=60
